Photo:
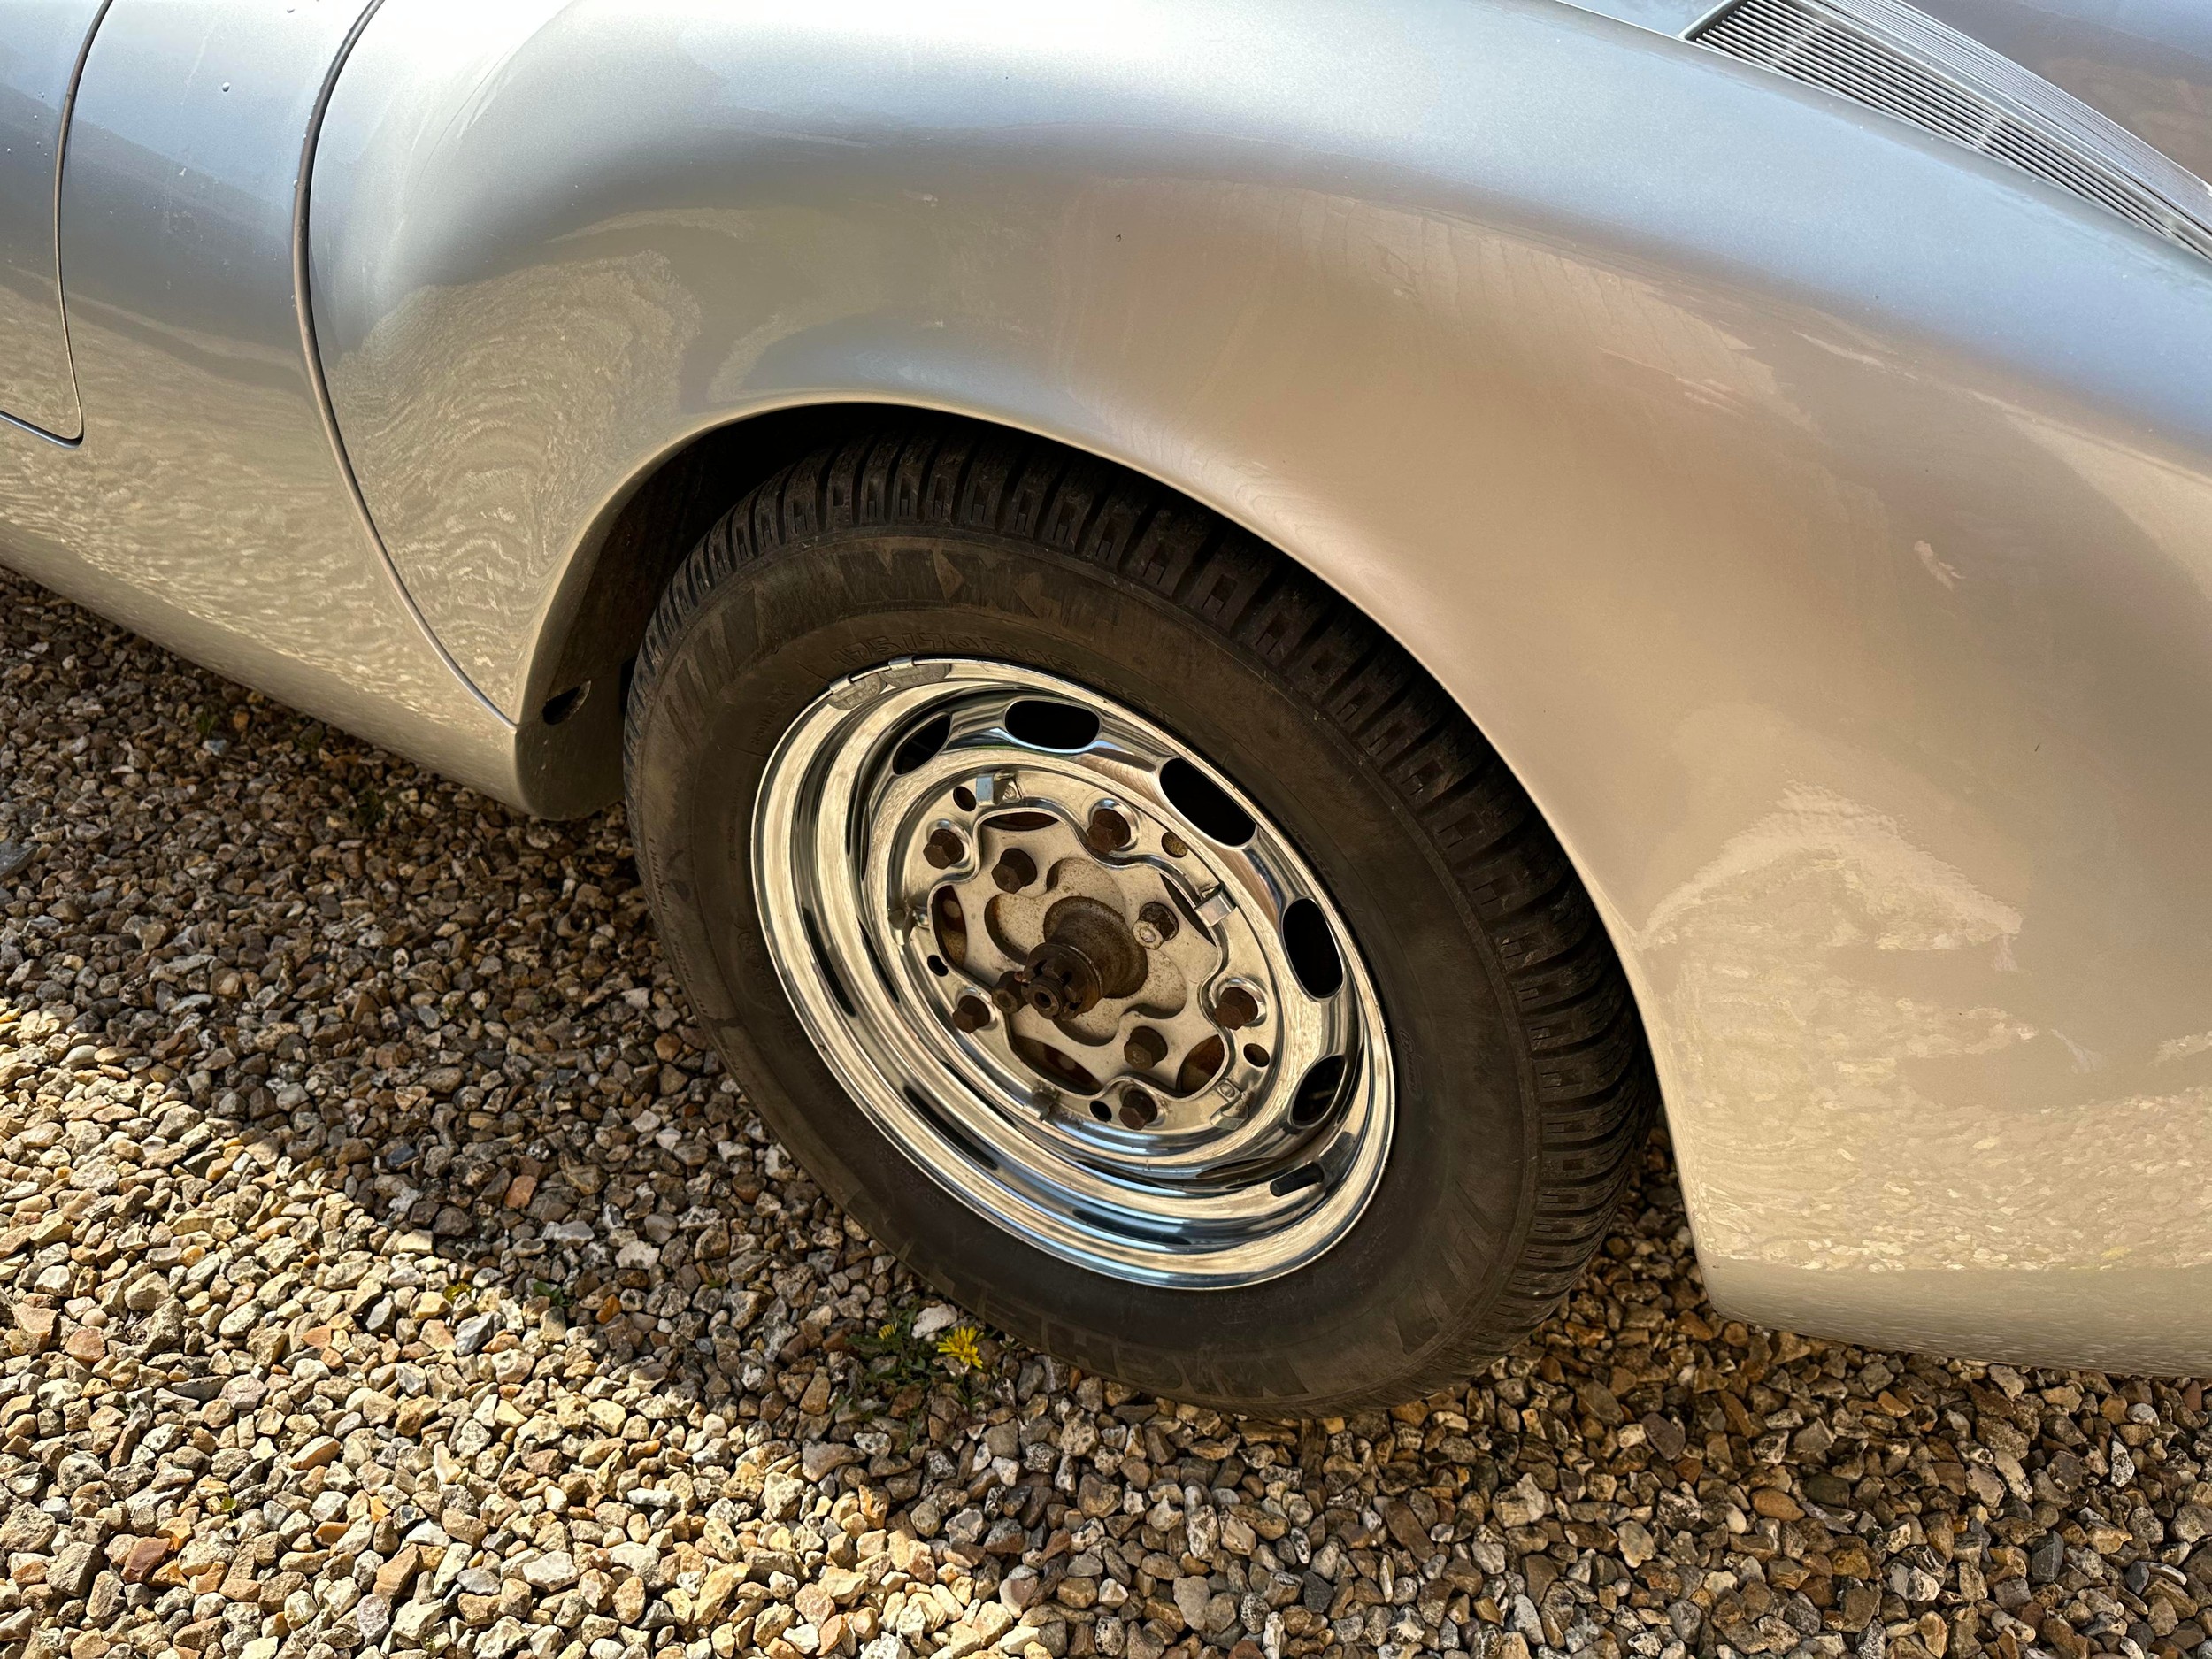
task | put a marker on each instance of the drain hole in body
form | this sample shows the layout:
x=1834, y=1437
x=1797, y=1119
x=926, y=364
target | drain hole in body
x=562, y=704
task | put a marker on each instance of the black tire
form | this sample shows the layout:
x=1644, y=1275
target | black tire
x=1523, y=1080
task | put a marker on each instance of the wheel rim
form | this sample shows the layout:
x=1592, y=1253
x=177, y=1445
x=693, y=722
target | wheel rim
x=1072, y=972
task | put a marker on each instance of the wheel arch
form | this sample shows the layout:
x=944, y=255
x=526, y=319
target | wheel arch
x=583, y=648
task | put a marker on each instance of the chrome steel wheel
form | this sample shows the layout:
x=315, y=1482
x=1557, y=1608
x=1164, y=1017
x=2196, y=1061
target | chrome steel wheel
x=1072, y=972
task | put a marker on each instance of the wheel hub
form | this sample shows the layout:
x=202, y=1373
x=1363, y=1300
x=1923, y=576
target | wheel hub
x=1057, y=957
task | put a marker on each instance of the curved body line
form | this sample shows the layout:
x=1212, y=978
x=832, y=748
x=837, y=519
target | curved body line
x=303, y=288
x=61, y=160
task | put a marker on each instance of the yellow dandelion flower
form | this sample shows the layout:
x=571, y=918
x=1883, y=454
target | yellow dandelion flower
x=961, y=1345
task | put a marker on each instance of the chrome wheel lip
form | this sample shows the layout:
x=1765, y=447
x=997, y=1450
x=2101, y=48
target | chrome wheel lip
x=1194, y=1203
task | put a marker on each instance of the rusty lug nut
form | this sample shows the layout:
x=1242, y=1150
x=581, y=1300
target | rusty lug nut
x=1145, y=1049
x=1007, y=999
x=1235, y=1008
x=971, y=1013
x=1108, y=831
x=1138, y=1108
x=1014, y=870
x=944, y=847
x=1157, y=924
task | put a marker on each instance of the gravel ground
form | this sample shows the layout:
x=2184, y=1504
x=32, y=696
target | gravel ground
x=385, y=1265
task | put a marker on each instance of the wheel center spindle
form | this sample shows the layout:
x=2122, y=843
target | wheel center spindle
x=1089, y=952
x=1055, y=980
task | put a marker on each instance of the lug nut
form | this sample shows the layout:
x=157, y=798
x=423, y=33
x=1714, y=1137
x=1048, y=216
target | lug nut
x=1235, y=1008
x=1108, y=831
x=944, y=847
x=1137, y=1108
x=971, y=1013
x=1145, y=1049
x=1156, y=925
x=1014, y=870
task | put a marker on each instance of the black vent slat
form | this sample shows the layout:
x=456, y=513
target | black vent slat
x=1886, y=56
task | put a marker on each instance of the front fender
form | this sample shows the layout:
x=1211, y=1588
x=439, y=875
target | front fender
x=1818, y=517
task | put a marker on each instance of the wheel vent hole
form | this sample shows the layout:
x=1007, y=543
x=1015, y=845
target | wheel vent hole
x=1295, y=1180
x=951, y=924
x=1200, y=1064
x=1044, y=723
x=1312, y=950
x=1062, y=1069
x=919, y=744
x=1205, y=804
x=1318, y=1091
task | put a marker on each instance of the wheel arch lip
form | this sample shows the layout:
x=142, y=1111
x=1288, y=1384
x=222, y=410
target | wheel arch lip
x=1758, y=532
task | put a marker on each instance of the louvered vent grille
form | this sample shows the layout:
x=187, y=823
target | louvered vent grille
x=1893, y=57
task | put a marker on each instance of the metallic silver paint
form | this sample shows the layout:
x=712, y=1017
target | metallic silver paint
x=42, y=44
x=205, y=505
x=1818, y=518
x=1661, y=17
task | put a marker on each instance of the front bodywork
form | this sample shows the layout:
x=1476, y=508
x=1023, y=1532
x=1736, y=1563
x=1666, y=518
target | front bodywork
x=208, y=504
x=205, y=504
x=1818, y=518
x=1814, y=514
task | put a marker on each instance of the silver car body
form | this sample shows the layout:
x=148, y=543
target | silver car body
x=1817, y=514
